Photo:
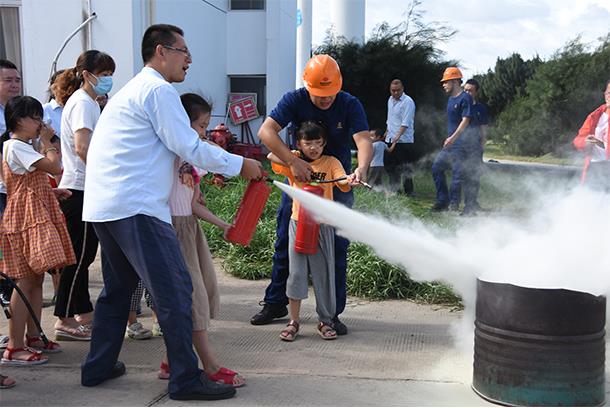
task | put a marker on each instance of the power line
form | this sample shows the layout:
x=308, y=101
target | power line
x=216, y=7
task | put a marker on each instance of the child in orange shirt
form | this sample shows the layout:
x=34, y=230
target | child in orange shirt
x=311, y=139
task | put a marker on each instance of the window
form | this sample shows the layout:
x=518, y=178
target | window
x=10, y=41
x=247, y=4
x=254, y=84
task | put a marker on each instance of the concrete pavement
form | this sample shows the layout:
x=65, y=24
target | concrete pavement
x=397, y=353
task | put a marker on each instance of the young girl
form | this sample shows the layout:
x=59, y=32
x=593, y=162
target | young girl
x=311, y=139
x=34, y=237
x=187, y=205
x=76, y=89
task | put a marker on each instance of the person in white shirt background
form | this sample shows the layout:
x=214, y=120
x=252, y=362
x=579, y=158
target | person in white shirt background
x=130, y=175
x=400, y=136
x=52, y=109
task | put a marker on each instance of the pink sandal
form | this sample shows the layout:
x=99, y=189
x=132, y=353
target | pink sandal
x=226, y=376
x=35, y=357
x=163, y=373
x=49, y=348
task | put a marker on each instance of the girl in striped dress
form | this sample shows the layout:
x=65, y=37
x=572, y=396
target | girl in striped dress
x=34, y=238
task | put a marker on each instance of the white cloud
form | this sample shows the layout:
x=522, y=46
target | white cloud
x=491, y=29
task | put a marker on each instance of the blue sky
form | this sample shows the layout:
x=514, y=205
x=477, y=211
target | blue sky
x=492, y=28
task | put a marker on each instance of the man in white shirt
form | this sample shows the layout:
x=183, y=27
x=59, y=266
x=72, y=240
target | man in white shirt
x=129, y=178
x=400, y=136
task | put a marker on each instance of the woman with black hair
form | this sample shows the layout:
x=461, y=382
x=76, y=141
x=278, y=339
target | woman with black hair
x=77, y=89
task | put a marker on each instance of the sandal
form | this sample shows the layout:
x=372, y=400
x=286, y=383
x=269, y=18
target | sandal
x=3, y=342
x=226, y=376
x=163, y=373
x=6, y=382
x=35, y=357
x=290, y=332
x=326, y=331
x=80, y=333
x=50, y=347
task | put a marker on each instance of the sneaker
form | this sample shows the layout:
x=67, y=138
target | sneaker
x=339, y=326
x=269, y=312
x=156, y=330
x=137, y=332
x=468, y=212
x=454, y=207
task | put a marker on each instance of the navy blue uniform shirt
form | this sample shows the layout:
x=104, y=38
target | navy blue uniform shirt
x=458, y=107
x=344, y=118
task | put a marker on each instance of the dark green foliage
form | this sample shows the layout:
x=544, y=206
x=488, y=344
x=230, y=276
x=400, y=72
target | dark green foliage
x=558, y=96
x=407, y=52
x=506, y=82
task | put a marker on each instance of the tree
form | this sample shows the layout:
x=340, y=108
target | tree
x=407, y=51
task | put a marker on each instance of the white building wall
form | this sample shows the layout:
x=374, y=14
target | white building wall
x=281, y=49
x=212, y=33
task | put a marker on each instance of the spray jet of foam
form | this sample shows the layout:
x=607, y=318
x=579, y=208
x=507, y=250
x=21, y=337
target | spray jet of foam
x=564, y=245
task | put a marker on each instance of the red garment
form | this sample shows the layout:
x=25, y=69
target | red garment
x=588, y=128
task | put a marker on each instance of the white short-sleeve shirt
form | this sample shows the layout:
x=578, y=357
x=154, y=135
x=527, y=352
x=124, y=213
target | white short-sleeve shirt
x=80, y=112
x=20, y=156
x=601, y=133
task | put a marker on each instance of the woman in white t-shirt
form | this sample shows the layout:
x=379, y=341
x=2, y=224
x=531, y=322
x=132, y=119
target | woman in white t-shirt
x=34, y=238
x=76, y=89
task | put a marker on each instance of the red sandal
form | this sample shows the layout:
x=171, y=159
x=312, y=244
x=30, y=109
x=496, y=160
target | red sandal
x=35, y=357
x=226, y=376
x=50, y=347
x=163, y=373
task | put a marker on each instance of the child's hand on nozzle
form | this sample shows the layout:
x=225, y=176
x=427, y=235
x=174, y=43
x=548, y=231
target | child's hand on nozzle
x=351, y=180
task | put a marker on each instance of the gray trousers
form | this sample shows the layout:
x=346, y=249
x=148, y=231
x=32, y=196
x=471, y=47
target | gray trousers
x=320, y=265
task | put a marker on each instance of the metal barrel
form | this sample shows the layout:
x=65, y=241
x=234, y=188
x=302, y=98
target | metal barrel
x=539, y=347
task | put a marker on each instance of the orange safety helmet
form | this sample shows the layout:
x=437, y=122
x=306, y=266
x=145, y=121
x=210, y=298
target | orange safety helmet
x=322, y=76
x=452, y=73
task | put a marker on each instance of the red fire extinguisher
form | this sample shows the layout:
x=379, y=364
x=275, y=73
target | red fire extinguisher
x=249, y=212
x=306, y=241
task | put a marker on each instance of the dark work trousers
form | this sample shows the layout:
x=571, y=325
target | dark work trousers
x=398, y=165
x=447, y=159
x=276, y=291
x=134, y=248
x=73, y=291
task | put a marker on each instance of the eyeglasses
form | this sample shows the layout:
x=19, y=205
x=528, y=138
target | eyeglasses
x=182, y=50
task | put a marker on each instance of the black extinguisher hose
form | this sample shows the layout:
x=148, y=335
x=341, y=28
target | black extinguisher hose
x=27, y=305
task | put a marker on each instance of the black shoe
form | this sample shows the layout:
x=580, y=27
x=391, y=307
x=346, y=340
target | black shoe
x=468, y=212
x=269, y=312
x=207, y=390
x=438, y=207
x=339, y=327
x=117, y=371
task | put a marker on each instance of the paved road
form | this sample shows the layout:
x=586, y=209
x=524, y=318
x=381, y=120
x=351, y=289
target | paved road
x=398, y=353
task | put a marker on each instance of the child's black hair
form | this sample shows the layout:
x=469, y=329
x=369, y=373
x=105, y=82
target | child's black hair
x=194, y=105
x=18, y=108
x=379, y=132
x=311, y=130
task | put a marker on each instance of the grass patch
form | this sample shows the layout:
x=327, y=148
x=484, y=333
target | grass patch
x=368, y=276
x=496, y=152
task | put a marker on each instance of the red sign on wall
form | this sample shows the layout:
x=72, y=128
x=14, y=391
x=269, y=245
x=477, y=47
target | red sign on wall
x=243, y=110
